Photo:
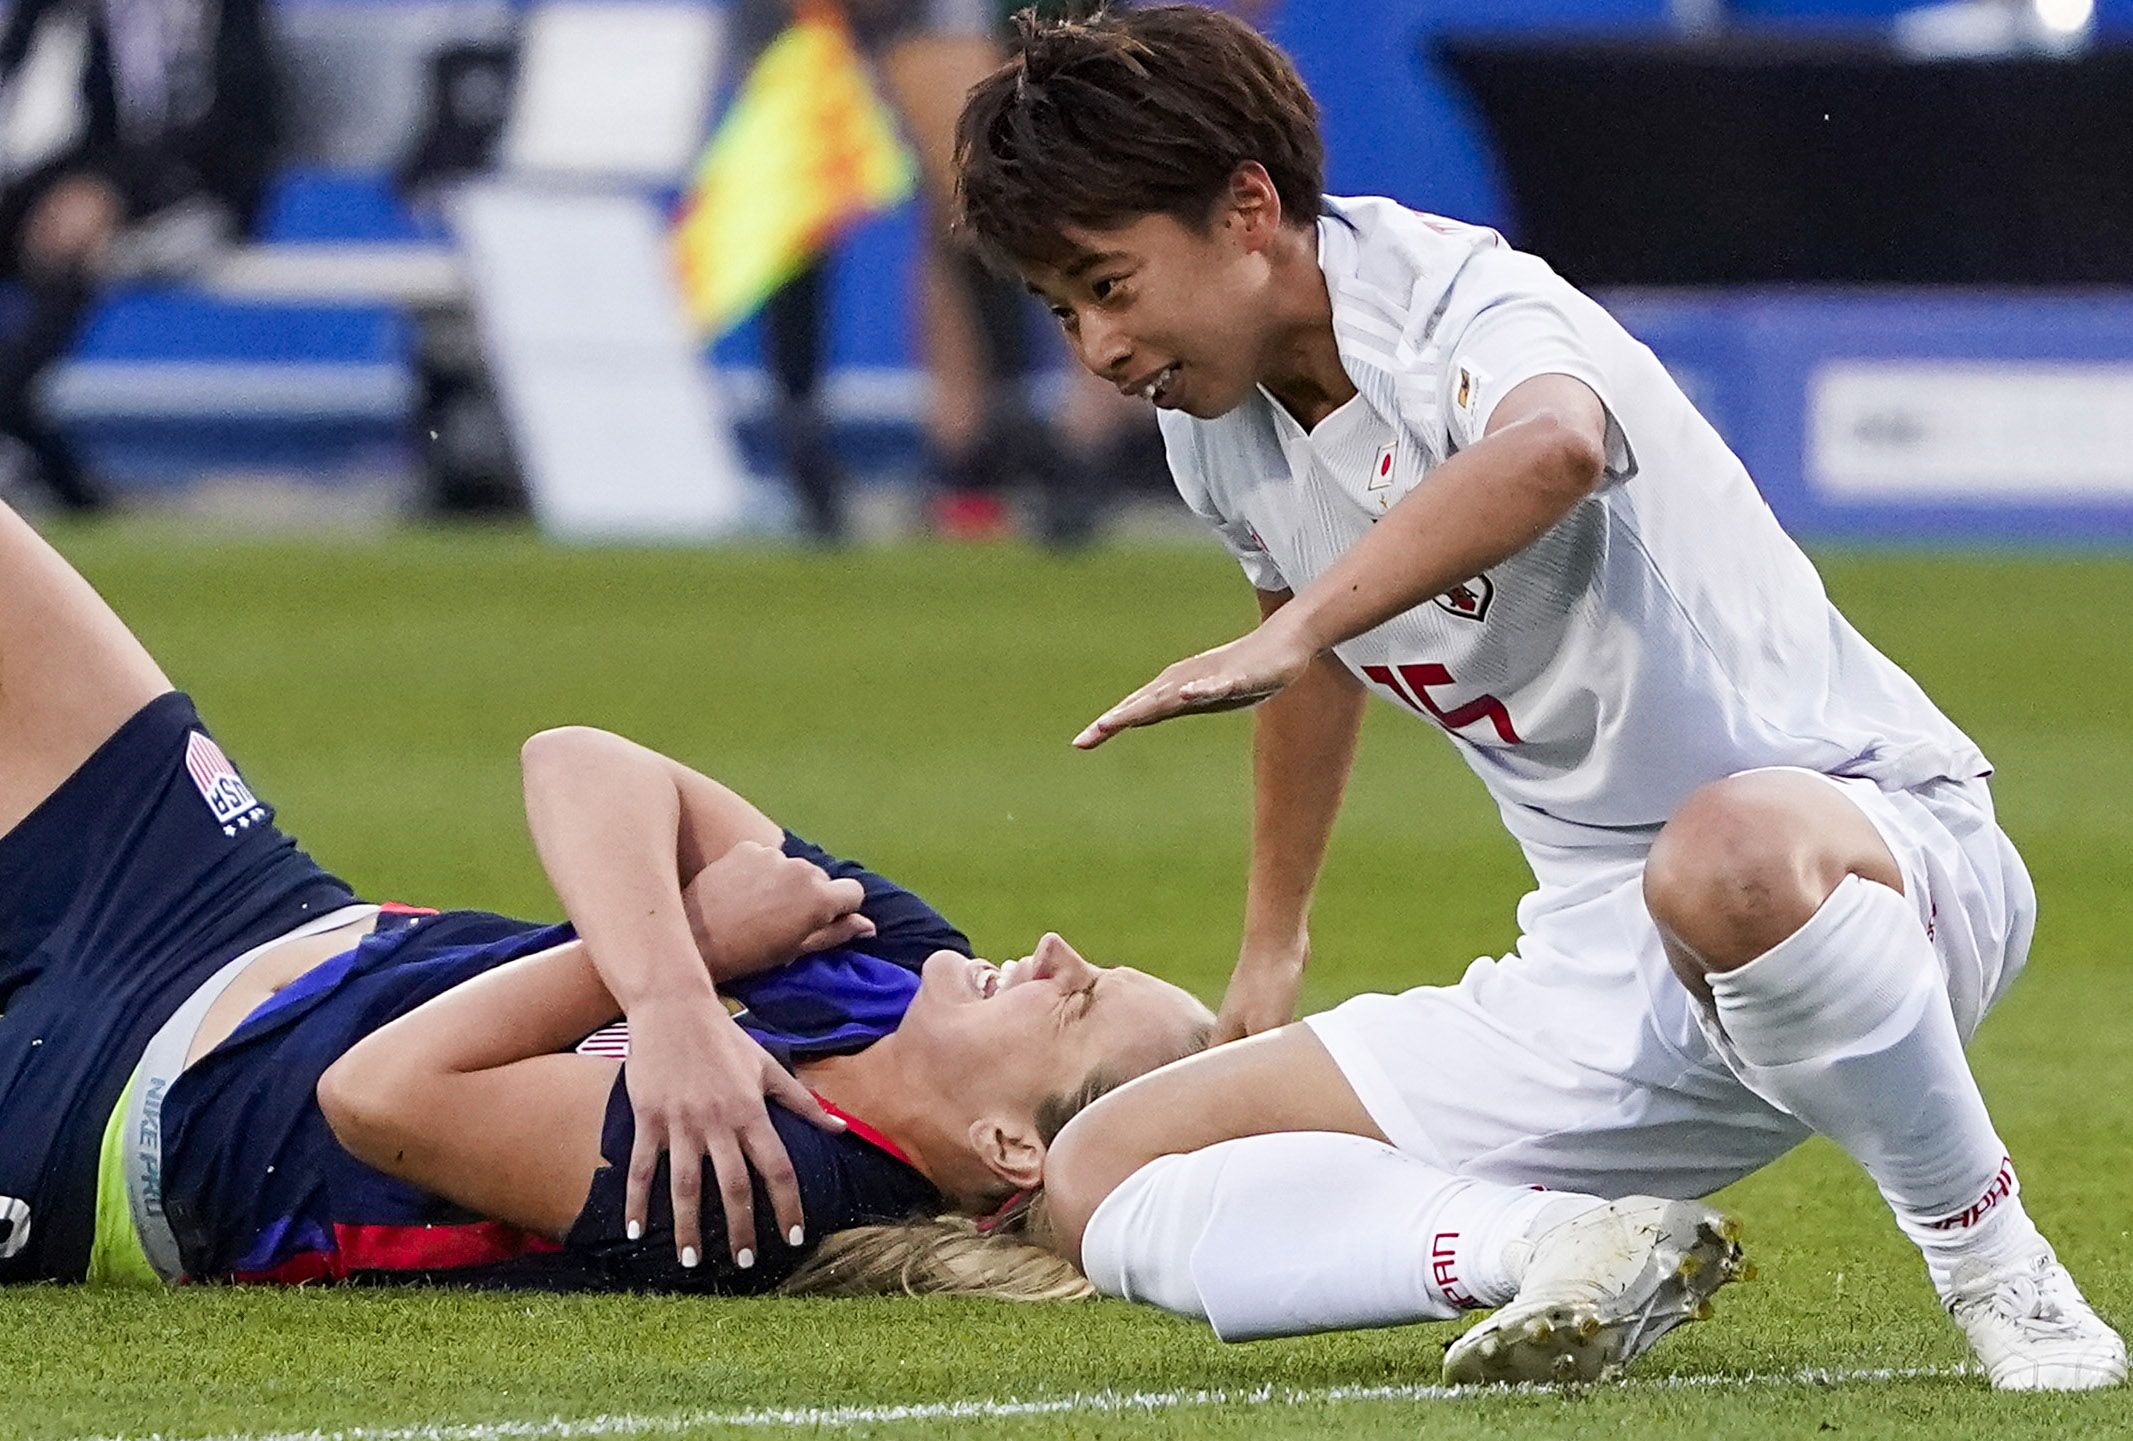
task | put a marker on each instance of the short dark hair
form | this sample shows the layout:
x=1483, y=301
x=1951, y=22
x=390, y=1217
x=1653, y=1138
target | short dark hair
x=1096, y=122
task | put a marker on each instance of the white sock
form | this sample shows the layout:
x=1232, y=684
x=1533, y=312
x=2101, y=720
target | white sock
x=1285, y=1234
x=1846, y=1025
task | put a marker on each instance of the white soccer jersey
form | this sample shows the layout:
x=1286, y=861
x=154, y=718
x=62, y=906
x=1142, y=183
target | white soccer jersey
x=1664, y=634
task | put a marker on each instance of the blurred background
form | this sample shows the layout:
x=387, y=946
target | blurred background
x=673, y=270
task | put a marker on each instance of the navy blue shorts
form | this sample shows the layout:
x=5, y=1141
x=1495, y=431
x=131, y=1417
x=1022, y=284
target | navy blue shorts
x=133, y=883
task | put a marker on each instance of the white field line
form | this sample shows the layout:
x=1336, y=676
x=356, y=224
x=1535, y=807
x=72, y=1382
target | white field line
x=557, y=1428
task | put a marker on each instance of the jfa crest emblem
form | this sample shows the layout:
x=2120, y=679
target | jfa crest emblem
x=1469, y=601
x=229, y=799
x=1466, y=396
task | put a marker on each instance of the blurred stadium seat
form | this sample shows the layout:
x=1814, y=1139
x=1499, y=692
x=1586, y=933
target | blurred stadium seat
x=304, y=350
x=161, y=380
x=296, y=354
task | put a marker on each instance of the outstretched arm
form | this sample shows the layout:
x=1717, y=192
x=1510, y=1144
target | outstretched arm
x=629, y=839
x=1545, y=451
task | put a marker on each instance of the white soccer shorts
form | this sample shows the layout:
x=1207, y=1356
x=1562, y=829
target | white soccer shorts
x=1578, y=1062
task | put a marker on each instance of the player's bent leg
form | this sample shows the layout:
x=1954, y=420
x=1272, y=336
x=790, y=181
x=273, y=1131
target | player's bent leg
x=1747, y=861
x=1781, y=906
x=71, y=673
x=1298, y=1232
x=1250, y=1189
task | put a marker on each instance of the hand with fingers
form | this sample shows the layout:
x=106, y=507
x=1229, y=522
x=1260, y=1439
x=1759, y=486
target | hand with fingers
x=1262, y=990
x=756, y=907
x=1248, y=670
x=700, y=1087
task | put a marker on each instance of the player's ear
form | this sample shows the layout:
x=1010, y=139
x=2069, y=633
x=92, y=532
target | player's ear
x=1010, y=1148
x=1251, y=207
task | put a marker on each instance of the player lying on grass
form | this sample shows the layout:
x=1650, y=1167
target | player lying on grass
x=1772, y=898
x=217, y=1064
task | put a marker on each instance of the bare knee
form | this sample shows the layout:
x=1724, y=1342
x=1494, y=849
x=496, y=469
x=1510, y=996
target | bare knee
x=1748, y=860
x=1087, y=1161
x=1285, y=1080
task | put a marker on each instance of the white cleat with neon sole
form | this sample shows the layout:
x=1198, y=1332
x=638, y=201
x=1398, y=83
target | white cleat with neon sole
x=1599, y=1289
x=2032, y=1329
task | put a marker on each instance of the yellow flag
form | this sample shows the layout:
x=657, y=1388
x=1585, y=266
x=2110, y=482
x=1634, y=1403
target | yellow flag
x=806, y=148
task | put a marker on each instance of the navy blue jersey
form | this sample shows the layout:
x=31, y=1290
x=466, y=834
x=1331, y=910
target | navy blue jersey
x=257, y=1189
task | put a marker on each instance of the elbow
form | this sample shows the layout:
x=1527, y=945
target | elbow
x=362, y=1108
x=557, y=746
x=554, y=764
x=1574, y=459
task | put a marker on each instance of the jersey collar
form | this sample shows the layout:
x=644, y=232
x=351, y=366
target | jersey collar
x=863, y=1131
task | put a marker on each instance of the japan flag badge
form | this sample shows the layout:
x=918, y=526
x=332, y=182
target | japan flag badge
x=1381, y=470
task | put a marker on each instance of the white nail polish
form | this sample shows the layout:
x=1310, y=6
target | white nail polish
x=688, y=1257
x=635, y=1230
x=797, y=1236
x=745, y=1260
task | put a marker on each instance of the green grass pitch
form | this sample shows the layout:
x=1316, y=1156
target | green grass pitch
x=912, y=707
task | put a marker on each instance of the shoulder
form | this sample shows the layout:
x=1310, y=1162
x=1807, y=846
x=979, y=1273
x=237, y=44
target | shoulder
x=1405, y=284
x=1505, y=277
x=1391, y=270
x=861, y=1183
x=849, y=1178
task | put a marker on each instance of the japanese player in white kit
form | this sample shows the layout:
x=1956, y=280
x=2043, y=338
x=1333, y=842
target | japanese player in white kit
x=1771, y=896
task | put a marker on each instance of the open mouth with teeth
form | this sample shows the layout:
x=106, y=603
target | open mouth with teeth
x=988, y=980
x=1157, y=386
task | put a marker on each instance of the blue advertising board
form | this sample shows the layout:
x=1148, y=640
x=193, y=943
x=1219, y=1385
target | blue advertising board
x=1930, y=416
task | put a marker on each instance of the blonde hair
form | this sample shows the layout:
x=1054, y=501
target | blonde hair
x=1009, y=1255
x=1006, y=1258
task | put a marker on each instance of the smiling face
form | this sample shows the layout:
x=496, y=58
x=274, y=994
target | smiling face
x=1127, y=131
x=1149, y=170
x=1008, y=1040
x=1169, y=312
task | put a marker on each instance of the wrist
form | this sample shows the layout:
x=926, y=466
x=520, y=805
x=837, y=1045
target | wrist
x=716, y=952
x=1298, y=624
x=1278, y=951
x=715, y=957
x=662, y=991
